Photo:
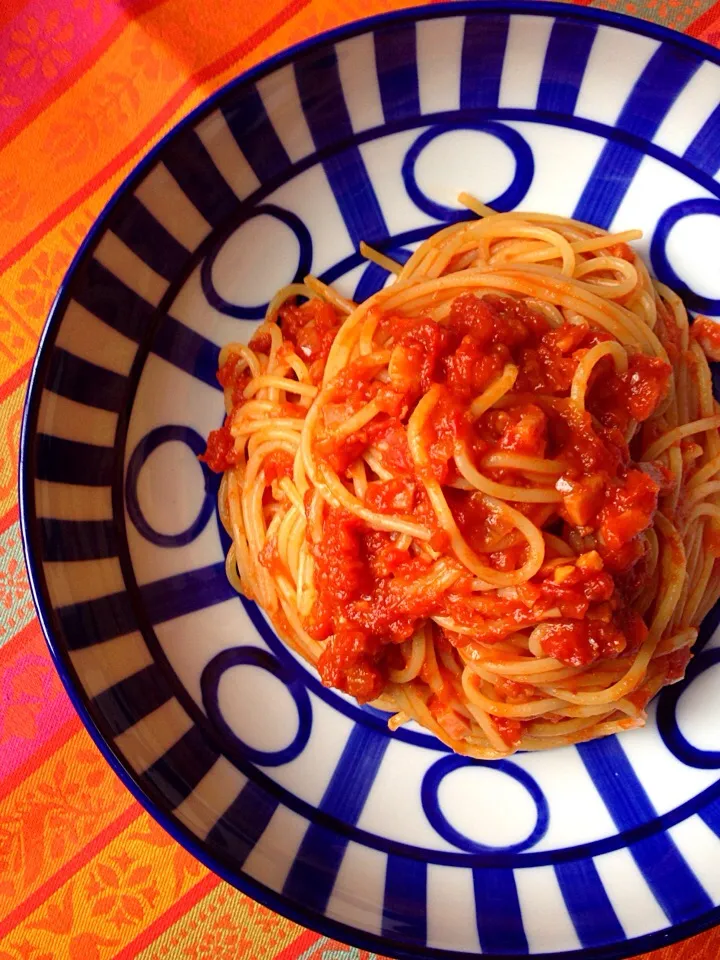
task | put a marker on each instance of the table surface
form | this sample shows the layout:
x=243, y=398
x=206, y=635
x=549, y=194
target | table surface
x=86, y=87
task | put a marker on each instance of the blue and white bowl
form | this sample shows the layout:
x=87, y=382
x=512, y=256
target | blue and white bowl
x=288, y=790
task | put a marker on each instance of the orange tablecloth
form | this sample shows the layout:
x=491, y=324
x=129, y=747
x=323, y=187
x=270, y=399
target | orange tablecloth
x=86, y=87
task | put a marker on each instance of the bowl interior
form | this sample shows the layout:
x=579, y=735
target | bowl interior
x=292, y=791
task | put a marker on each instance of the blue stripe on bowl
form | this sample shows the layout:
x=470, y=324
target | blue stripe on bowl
x=187, y=350
x=255, y=135
x=588, y=904
x=655, y=91
x=315, y=868
x=710, y=814
x=91, y=622
x=566, y=58
x=237, y=832
x=704, y=151
x=323, y=100
x=85, y=382
x=176, y=774
x=68, y=461
x=68, y=540
x=673, y=883
x=192, y=166
x=326, y=112
x=405, y=903
x=499, y=918
x=359, y=206
x=397, y=71
x=373, y=279
x=132, y=699
x=144, y=235
x=186, y=592
x=314, y=871
x=483, y=56
x=100, y=292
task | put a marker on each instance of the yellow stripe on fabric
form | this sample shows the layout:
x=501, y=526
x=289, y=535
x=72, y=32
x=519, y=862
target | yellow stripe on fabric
x=10, y=416
x=224, y=923
x=126, y=886
x=28, y=286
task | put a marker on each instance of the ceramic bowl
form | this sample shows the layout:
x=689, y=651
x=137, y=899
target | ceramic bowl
x=290, y=791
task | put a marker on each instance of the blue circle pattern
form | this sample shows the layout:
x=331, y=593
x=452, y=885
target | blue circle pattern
x=168, y=433
x=668, y=726
x=429, y=798
x=302, y=235
x=659, y=258
x=255, y=657
x=510, y=198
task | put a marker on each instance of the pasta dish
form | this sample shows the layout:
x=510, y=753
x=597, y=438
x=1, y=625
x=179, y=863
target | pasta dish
x=487, y=498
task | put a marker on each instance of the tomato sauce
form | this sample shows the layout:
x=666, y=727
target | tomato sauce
x=675, y=664
x=219, y=454
x=707, y=334
x=365, y=599
x=311, y=328
x=372, y=595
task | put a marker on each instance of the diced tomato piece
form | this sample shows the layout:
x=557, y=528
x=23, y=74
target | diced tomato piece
x=472, y=315
x=581, y=643
x=450, y=720
x=629, y=508
x=347, y=664
x=261, y=342
x=616, y=398
x=510, y=730
x=226, y=373
x=526, y=431
x=582, y=499
x=426, y=342
x=229, y=376
x=447, y=423
x=219, y=455
x=390, y=439
x=676, y=664
x=390, y=496
x=311, y=328
x=340, y=572
x=707, y=334
x=479, y=525
x=646, y=382
x=471, y=368
x=277, y=464
x=270, y=558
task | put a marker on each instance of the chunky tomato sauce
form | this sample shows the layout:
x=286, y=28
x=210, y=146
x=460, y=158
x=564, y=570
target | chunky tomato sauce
x=372, y=594
x=707, y=334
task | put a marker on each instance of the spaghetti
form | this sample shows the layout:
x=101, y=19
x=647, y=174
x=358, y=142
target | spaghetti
x=487, y=498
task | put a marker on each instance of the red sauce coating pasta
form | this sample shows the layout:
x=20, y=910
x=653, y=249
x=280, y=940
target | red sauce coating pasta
x=472, y=497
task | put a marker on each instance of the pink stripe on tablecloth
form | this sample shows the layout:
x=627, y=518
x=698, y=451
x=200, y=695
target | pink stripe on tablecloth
x=43, y=43
x=33, y=703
